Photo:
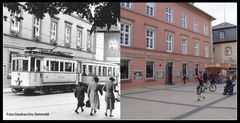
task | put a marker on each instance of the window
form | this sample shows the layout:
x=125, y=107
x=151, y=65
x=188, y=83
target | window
x=205, y=29
x=125, y=34
x=10, y=56
x=124, y=70
x=36, y=27
x=53, y=31
x=109, y=71
x=15, y=23
x=113, y=71
x=67, y=35
x=195, y=25
x=68, y=67
x=184, y=21
x=104, y=71
x=196, y=48
x=184, y=69
x=79, y=38
x=206, y=49
x=38, y=65
x=169, y=42
x=150, y=9
x=196, y=69
x=89, y=41
x=99, y=71
x=221, y=35
x=84, y=70
x=47, y=65
x=90, y=70
x=150, y=39
x=149, y=70
x=54, y=65
x=32, y=66
x=126, y=4
x=25, y=65
x=61, y=66
x=168, y=13
x=184, y=46
x=228, y=51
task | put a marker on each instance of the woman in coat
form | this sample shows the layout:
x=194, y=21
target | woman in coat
x=80, y=94
x=92, y=91
x=109, y=96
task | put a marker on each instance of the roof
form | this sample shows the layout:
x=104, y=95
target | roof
x=223, y=25
x=191, y=5
x=230, y=33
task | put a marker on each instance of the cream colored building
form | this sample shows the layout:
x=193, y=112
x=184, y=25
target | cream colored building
x=225, y=44
x=68, y=33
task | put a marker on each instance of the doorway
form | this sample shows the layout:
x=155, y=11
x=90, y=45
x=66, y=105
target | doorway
x=169, y=75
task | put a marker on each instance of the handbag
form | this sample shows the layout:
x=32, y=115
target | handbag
x=88, y=103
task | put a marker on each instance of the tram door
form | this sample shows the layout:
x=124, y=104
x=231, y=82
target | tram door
x=79, y=75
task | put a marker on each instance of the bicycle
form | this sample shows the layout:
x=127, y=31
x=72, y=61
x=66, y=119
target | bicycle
x=208, y=85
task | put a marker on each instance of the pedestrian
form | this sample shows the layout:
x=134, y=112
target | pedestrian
x=79, y=93
x=110, y=88
x=184, y=78
x=93, y=96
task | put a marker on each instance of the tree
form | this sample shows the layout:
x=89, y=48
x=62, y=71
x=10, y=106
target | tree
x=105, y=14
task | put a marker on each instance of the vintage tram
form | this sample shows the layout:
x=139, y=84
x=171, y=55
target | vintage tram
x=49, y=71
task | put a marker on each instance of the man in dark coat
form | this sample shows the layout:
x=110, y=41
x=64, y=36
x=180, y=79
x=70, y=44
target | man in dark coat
x=79, y=93
x=205, y=76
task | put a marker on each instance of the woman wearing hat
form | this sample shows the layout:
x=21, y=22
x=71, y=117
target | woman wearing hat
x=109, y=88
x=92, y=91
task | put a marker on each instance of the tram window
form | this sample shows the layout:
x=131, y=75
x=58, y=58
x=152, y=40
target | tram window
x=17, y=65
x=104, y=71
x=73, y=67
x=84, y=70
x=109, y=71
x=99, y=70
x=68, y=66
x=90, y=70
x=114, y=71
x=47, y=65
x=95, y=70
x=38, y=66
x=32, y=68
x=25, y=65
x=61, y=66
x=14, y=65
x=54, y=65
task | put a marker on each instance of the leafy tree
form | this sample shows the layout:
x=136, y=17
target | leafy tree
x=105, y=14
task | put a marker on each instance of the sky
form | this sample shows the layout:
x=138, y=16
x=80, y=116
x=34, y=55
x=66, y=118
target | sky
x=217, y=10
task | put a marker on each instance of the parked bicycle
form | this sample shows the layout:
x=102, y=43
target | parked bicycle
x=208, y=85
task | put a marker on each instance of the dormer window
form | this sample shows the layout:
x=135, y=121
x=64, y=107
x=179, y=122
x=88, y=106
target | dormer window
x=221, y=35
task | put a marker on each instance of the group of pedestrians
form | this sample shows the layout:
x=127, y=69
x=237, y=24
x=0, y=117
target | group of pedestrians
x=92, y=90
x=203, y=77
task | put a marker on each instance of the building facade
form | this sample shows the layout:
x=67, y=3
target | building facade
x=225, y=44
x=67, y=33
x=160, y=42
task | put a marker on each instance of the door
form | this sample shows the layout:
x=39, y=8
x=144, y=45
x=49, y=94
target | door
x=79, y=75
x=169, y=73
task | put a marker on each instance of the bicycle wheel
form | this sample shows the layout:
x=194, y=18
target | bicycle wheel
x=212, y=88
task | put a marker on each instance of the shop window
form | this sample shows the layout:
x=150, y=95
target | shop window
x=149, y=70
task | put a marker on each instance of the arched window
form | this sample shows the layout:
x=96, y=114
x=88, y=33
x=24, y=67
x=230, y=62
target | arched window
x=228, y=51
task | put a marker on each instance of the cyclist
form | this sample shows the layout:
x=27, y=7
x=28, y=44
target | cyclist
x=199, y=86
